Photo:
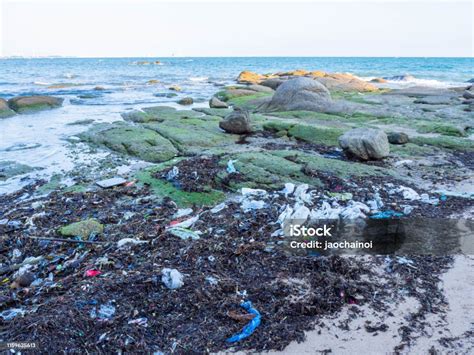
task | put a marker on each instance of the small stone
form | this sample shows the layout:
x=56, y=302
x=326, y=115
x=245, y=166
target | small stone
x=82, y=229
x=237, y=122
x=186, y=101
x=397, y=138
x=214, y=102
x=175, y=88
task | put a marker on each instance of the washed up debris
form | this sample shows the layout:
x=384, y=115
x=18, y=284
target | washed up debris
x=250, y=327
x=253, y=192
x=25, y=279
x=183, y=233
x=249, y=205
x=172, y=174
x=107, y=183
x=341, y=196
x=105, y=312
x=302, y=195
x=92, y=273
x=211, y=280
x=426, y=199
x=183, y=212
x=301, y=213
x=289, y=189
x=230, y=166
x=11, y=313
x=218, y=208
x=125, y=241
x=184, y=224
x=376, y=204
x=407, y=209
x=139, y=321
x=386, y=214
x=172, y=278
x=408, y=193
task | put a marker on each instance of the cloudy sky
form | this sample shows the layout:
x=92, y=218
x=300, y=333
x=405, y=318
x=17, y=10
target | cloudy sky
x=115, y=28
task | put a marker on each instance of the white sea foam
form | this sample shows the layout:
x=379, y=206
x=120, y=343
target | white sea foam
x=199, y=78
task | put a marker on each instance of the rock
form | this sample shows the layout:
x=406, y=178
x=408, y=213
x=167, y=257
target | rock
x=25, y=279
x=297, y=72
x=422, y=92
x=260, y=88
x=5, y=111
x=175, y=88
x=30, y=104
x=9, y=169
x=435, y=100
x=139, y=142
x=82, y=229
x=214, y=102
x=186, y=101
x=273, y=83
x=99, y=88
x=153, y=82
x=345, y=82
x=168, y=95
x=397, y=138
x=237, y=122
x=248, y=77
x=300, y=94
x=469, y=93
x=470, y=81
x=378, y=80
x=365, y=143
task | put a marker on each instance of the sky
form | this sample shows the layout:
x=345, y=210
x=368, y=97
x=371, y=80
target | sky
x=139, y=28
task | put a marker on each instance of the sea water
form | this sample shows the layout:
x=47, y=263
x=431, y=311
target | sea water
x=41, y=139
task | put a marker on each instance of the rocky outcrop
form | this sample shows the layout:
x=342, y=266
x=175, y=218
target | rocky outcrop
x=345, y=82
x=5, y=111
x=397, y=138
x=300, y=94
x=248, y=77
x=260, y=88
x=237, y=122
x=365, y=143
x=30, y=104
x=214, y=102
x=378, y=80
x=273, y=83
x=406, y=77
x=186, y=101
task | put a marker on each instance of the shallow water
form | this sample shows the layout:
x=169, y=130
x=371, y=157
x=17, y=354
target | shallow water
x=40, y=140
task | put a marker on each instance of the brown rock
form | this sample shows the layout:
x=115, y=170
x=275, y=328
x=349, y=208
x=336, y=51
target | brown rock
x=237, y=122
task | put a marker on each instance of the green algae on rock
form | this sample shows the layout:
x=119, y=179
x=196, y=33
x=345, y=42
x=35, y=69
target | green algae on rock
x=139, y=142
x=82, y=229
x=32, y=104
x=5, y=111
x=9, y=169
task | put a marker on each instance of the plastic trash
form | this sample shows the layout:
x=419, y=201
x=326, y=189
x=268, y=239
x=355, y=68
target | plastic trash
x=354, y=210
x=107, y=183
x=92, y=273
x=183, y=233
x=106, y=311
x=285, y=215
x=426, y=199
x=230, y=166
x=250, y=327
x=218, y=208
x=407, y=209
x=11, y=313
x=386, y=214
x=289, y=189
x=443, y=198
x=376, y=204
x=301, y=213
x=341, y=196
x=172, y=278
x=182, y=212
x=125, y=241
x=301, y=195
x=253, y=192
x=408, y=193
x=139, y=321
x=172, y=174
x=326, y=212
x=249, y=205
x=186, y=223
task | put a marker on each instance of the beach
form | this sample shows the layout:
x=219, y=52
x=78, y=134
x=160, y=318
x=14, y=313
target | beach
x=144, y=200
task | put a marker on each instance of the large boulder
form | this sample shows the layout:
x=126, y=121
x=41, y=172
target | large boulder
x=365, y=143
x=345, y=82
x=300, y=94
x=214, y=102
x=29, y=104
x=237, y=122
x=5, y=111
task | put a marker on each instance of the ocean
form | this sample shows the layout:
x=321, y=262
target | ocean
x=41, y=140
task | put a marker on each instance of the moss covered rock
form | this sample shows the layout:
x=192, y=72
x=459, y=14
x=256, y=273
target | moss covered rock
x=9, y=169
x=5, y=111
x=31, y=104
x=82, y=229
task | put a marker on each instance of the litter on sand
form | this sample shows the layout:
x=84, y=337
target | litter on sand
x=230, y=166
x=172, y=278
x=250, y=327
x=183, y=233
x=107, y=183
